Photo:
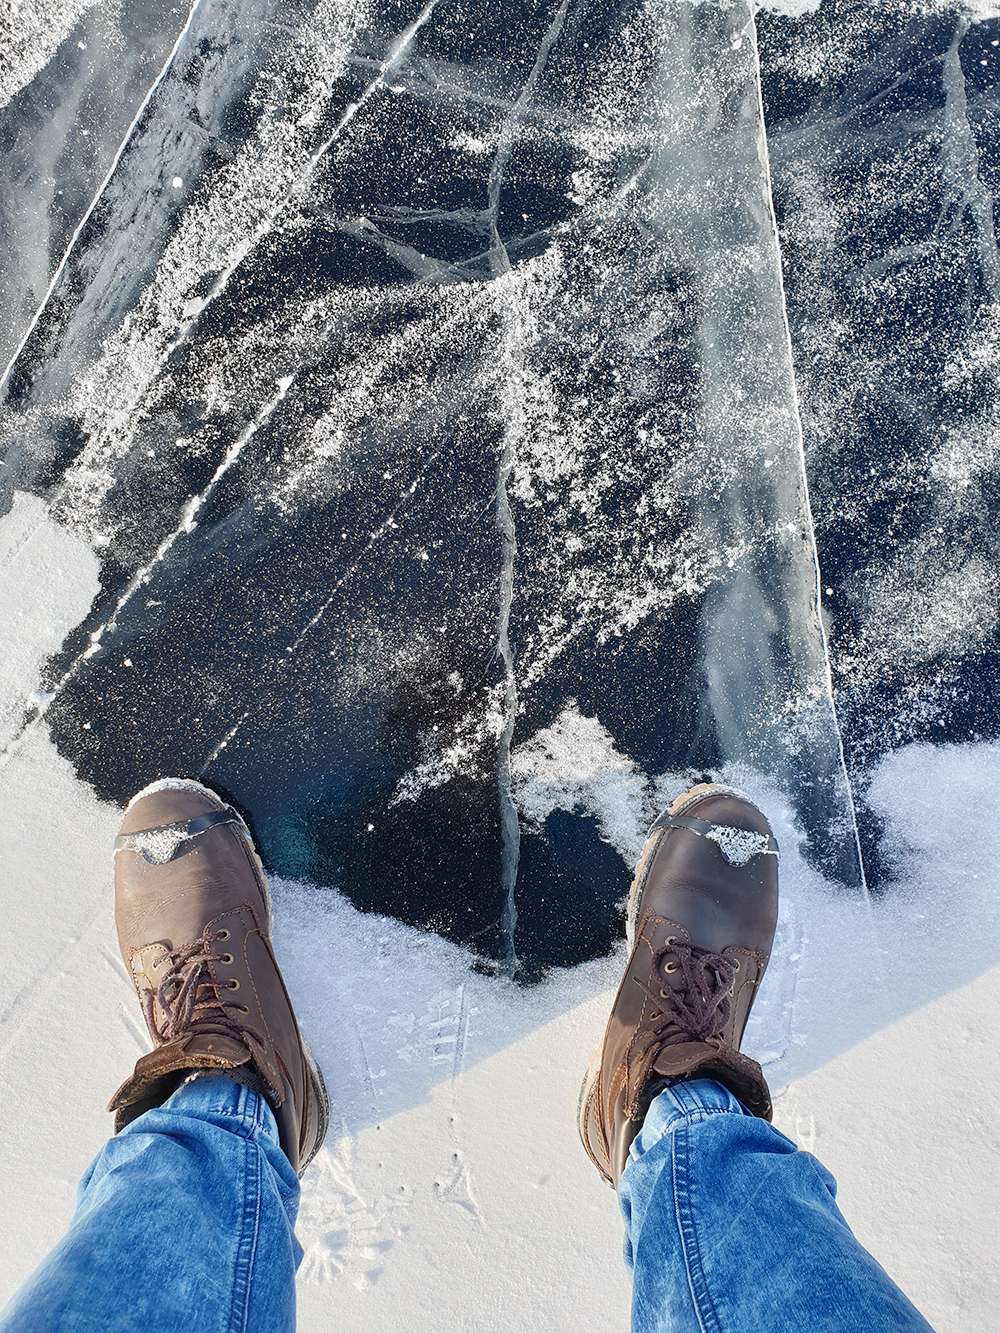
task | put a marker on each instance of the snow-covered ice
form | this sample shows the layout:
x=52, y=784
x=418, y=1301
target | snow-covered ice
x=454, y=446
x=453, y=1184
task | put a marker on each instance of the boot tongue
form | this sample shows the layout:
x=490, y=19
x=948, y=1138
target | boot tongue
x=154, y=1072
x=675, y=1061
x=714, y=1059
x=205, y=1049
x=689, y=992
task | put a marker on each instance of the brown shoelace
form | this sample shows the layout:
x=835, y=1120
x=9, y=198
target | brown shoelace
x=190, y=999
x=699, y=1007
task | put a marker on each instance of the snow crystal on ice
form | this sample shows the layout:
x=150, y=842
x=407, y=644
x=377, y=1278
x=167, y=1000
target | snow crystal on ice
x=573, y=765
x=30, y=33
x=159, y=845
x=738, y=845
x=168, y=784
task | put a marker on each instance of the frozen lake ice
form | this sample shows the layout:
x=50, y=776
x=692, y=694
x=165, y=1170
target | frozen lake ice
x=450, y=430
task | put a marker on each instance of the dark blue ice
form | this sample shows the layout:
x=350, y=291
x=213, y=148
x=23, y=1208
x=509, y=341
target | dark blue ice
x=471, y=407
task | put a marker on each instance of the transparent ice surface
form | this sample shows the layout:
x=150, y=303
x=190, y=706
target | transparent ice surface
x=883, y=137
x=422, y=380
x=73, y=78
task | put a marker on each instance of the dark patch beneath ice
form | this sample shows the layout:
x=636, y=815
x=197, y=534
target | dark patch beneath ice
x=325, y=644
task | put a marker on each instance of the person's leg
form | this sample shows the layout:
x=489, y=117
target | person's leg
x=183, y=1221
x=729, y=1227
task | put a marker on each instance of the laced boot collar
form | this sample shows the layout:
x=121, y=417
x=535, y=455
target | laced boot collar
x=695, y=1008
x=686, y=1024
x=188, y=998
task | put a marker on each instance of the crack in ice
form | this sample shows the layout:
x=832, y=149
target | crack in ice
x=386, y=526
x=263, y=229
x=960, y=161
x=4, y=378
x=510, y=829
x=267, y=224
x=799, y=435
x=187, y=524
x=506, y=142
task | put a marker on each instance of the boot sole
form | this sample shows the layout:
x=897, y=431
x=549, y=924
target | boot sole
x=590, y=1079
x=320, y=1094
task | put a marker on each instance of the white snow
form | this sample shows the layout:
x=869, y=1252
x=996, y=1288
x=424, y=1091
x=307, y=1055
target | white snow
x=976, y=10
x=163, y=784
x=48, y=578
x=574, y=765
x=789, y=8
x=455, y=1094
x=30, y=32
x=738, y=846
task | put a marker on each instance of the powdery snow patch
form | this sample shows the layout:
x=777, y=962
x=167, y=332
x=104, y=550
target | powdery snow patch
x=792, y=9
x=48, y=579
x=391, y=1010
x=462, y=749
x=939, y=921
x=977, y=11
x=574, y=765
x=901, y=1120
x=30, y=33
x=926, y=605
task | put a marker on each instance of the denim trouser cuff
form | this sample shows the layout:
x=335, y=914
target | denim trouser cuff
x=728, y=1227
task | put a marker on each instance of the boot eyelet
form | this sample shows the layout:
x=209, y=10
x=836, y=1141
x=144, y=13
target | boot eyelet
x=232, y=984
x=227, y=958
x=736, y=964
x=671, y=939
x=664, y=995
x=669, y=967
x=244, y=1008
x=223, y=935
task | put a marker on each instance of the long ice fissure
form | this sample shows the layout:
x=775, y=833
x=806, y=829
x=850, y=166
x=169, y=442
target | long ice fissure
x=396, y=52
x=187, y=524
x=510, y=829
x=960, y=155
x=136, y=403
x=60, y=268
x=387, y=525
x=800, y=437
x=502, y=155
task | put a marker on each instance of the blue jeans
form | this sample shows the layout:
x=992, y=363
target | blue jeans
x=185, y=1221
x=730, y=1228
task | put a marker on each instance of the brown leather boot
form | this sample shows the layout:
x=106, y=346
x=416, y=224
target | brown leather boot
x=702, y=913
x=194, y=926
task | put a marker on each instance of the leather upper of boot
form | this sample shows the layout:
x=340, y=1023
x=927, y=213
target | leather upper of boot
x=702, y=925
x=194, y=922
